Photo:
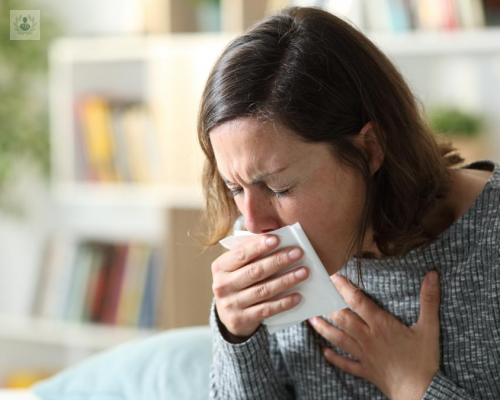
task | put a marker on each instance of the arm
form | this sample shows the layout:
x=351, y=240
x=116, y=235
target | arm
x=443, y=388
x=249, y=370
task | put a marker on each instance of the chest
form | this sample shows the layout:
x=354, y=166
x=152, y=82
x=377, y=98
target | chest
x=469, y=339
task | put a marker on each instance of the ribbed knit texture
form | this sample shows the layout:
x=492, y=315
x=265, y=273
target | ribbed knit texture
x=289, y=364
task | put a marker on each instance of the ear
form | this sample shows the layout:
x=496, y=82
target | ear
x=367, y=140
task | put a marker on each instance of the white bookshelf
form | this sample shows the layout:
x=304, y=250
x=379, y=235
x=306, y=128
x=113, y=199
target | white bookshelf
x=168, y=73
x=66, y=334
x=467, y=42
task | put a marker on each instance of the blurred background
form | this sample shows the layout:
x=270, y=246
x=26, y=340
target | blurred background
x=100, y=166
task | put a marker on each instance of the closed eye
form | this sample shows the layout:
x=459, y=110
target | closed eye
x=235, y=192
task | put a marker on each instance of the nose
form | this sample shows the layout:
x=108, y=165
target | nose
x=260, y=214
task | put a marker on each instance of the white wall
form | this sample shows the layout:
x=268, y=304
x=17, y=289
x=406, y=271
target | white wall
x=95, y=17
x=21, y=242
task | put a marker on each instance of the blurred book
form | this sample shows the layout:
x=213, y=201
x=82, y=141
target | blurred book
x=426, y=15
x=93, y=282
x=97, y=137
x=492, y=12
x=352, y=10
x=117, y=141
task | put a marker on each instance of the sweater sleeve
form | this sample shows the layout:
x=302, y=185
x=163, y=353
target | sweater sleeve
x=250, y=370
x=443, y=388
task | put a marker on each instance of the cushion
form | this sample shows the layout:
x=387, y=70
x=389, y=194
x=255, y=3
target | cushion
x=174, y=364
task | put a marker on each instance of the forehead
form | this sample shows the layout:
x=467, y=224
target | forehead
x=248, y=137
x=247, y=148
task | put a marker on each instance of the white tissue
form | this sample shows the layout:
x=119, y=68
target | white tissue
x=319, y=294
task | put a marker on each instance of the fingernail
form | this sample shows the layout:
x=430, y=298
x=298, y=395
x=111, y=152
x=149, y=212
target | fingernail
x=271, y=240
x=335, y=277
x=312, y=321
x=296, y=298
x=301, y=273
x=294, y=254
x=433, y=277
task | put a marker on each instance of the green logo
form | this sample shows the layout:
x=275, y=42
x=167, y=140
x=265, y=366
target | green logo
x=24, y=24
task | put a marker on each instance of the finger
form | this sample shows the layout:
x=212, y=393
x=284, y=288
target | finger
x=352, y=367
x=350, y=323
x=430, y=294
x=262, y=269
x=334, y=335
x=244, y=253
x=270, y=288
x=357, y=300
x=266, y=310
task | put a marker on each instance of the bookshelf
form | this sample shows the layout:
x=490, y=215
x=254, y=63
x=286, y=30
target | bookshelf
x=166, y=72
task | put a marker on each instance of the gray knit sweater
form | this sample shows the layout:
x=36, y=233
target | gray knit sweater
x=289, y=364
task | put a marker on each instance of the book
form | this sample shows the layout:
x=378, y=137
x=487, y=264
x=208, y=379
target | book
x=121, y=153
x=98, y=138
x=79, y=278
x=152, y=291
x=102, y=283
x=90, y=286
x=124, y=315
x=136, y=145
x=378, y=16
x=111, y=301
x=55, y=276
x=470, y=13
x=83, y=169
x=399, y=15
x=138, y=289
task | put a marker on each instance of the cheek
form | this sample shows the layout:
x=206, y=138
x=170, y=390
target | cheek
x=329, y=223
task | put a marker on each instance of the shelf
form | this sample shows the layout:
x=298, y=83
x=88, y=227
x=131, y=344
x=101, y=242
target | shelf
x=67, y=334
x=119, y=212
x=427, y=43
x=463, y=41
x=133, y=47
x=128, y=195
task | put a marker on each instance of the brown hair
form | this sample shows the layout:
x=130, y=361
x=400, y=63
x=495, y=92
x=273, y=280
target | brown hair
x=320, y=77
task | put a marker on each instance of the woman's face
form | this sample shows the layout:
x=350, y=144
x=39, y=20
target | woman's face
x=278, y=180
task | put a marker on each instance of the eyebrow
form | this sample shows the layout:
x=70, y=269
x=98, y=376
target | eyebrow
x=258, y=179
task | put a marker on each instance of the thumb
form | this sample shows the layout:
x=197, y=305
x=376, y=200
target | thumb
x=430, y=297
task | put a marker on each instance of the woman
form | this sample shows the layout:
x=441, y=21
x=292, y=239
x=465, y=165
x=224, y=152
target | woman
x=304, y=119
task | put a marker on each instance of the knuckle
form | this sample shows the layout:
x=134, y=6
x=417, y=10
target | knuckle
x=281, y=259
x=340, y=317
x=223, y=304
x=215, y=267
x=218, y=288
x=430, y=299
x=240, y=253
x=256, y=270
x=266, y=310
x=259, y=247
x=284, y=304
x=357, y=299
x=263, y=291
x=341, y=340
x=288, y=280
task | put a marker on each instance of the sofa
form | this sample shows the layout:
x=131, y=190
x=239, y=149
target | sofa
x=174, y=364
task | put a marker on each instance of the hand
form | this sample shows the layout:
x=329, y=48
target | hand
x=401, y=361
x=241, y=289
